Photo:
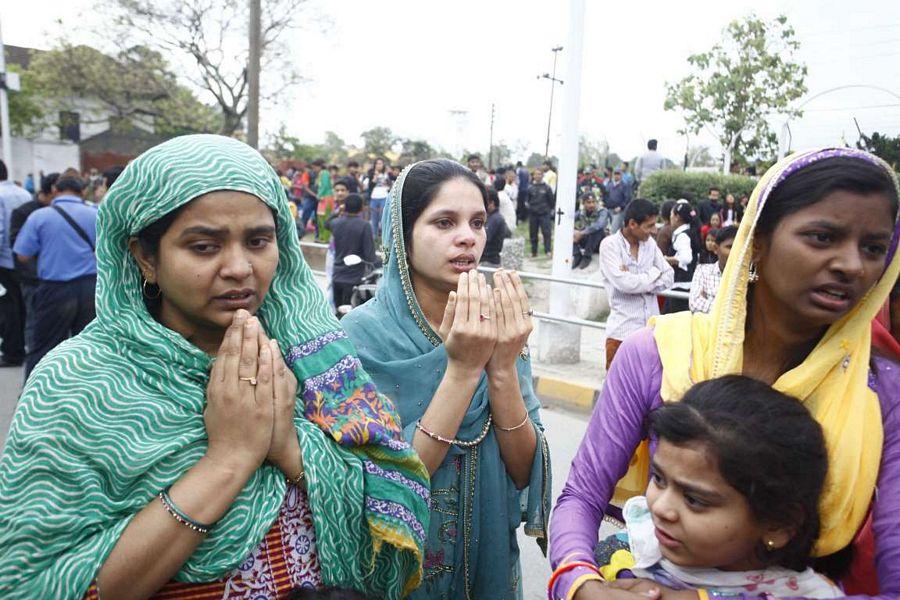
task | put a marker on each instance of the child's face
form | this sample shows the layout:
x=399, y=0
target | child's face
x=715, y=221
x=722, y=251
x=700, y=520
x=711, y=243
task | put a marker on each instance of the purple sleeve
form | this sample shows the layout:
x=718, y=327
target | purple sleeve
x=616, y=428
x=886, y=514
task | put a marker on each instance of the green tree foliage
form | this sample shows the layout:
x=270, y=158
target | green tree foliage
x=25, y=108
x=739, y=82
x=415, y=150
x=885, y=147
x=136, y=84
x=211, y=37
x=378, y=141
x=675, y=184
x=334, y=148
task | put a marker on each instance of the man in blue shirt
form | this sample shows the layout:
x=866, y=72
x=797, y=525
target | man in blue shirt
x=12, y=307
x=618, y=195
x=62, y=237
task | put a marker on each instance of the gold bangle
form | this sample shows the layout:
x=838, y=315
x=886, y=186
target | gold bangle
x=519, y=426
x=296, y=480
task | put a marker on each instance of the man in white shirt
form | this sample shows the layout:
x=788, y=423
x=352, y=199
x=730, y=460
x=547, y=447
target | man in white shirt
x=648, y=162
x=634, y=271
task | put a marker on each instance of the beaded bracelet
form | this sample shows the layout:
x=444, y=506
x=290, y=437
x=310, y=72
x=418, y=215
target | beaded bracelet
x=456, y=442
x=519, y=426
x=179, y=516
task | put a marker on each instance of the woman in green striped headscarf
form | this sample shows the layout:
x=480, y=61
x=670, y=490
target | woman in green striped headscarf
x=167, y=450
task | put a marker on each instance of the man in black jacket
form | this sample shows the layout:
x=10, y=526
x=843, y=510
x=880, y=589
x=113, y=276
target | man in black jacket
x=352, y=235
x=541, y=202
x=708, y=207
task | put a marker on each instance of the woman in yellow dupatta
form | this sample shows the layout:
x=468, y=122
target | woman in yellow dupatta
x=814, y=260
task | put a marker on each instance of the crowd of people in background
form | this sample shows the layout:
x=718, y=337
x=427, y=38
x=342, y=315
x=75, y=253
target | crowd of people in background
x=48, y=267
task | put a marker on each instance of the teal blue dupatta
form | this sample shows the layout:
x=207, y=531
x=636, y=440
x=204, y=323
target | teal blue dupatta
x=471, y=551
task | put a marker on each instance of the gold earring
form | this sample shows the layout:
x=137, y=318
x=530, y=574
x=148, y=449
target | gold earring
x=147, y=295
x=770, y=545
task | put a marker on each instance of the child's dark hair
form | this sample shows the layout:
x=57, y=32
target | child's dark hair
x=331, y=593
x=725, y=234
x=767, y=447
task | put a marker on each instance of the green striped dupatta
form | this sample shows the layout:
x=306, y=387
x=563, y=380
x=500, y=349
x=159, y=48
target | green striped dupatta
x=113, y=415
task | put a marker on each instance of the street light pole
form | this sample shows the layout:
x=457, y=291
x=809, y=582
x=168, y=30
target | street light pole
x=491, y=143
x=253, y=73
x=553, y=82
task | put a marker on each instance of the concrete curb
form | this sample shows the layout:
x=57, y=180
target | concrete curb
x=576, y=397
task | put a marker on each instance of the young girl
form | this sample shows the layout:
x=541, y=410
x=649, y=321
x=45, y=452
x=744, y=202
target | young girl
x=732, y=505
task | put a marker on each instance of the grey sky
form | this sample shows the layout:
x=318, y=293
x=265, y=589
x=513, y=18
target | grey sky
x=406, y=64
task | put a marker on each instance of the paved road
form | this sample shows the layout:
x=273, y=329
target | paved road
x=564, y=433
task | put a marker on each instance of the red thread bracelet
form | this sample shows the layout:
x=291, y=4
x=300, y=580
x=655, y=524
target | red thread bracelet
x=565, y=568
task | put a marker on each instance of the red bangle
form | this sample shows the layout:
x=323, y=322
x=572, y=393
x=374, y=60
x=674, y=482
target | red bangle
x=565, y=568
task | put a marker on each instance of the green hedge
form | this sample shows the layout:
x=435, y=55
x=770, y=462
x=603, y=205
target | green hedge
x=663, y=185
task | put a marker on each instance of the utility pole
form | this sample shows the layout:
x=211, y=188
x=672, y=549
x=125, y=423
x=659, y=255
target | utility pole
x=491, y=143
x=4, y=111
x=253, y=73
x=553, y=82
x=561, y=343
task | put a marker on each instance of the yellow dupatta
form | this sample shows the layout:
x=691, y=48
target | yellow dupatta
x=832, y=381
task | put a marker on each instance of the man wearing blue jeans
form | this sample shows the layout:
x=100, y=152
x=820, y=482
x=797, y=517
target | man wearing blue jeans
x=62, y=236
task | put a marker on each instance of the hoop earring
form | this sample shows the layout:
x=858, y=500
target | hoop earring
x=144, y=291
x=753, y=275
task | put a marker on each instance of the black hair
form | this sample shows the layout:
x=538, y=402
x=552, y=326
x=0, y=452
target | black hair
x=767, y=447
x=686, y=213
x=518, y=163
x=341, y=181
x=651, y=145
x=473, y=157
x=492, y=197
x=713, y=188
x=665, y=209
x=353, y=204
x=69, y=184
x=4, y=173
x=639, y=210
x=422, y=184
x=725, y=234
x=319, y=162
x=352, y=163
x=813, y=183
x=331, y=593
x=48, y=181
x=587, y=196
x=111, y=174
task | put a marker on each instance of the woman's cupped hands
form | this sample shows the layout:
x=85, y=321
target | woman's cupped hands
x=250, y=398
x=486, y=328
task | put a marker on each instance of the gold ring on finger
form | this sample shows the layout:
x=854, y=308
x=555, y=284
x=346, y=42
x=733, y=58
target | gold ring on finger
x=251, y=380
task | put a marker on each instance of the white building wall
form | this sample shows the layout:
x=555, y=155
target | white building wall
x=43, y=155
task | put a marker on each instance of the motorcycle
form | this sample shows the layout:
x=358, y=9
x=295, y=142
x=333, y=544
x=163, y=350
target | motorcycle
x=365, y=289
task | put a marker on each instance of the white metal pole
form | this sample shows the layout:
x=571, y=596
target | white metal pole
x=560, y=343
x=566, y=188
x=4, y=113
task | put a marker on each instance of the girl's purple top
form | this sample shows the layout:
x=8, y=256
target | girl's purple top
x=617, y=426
